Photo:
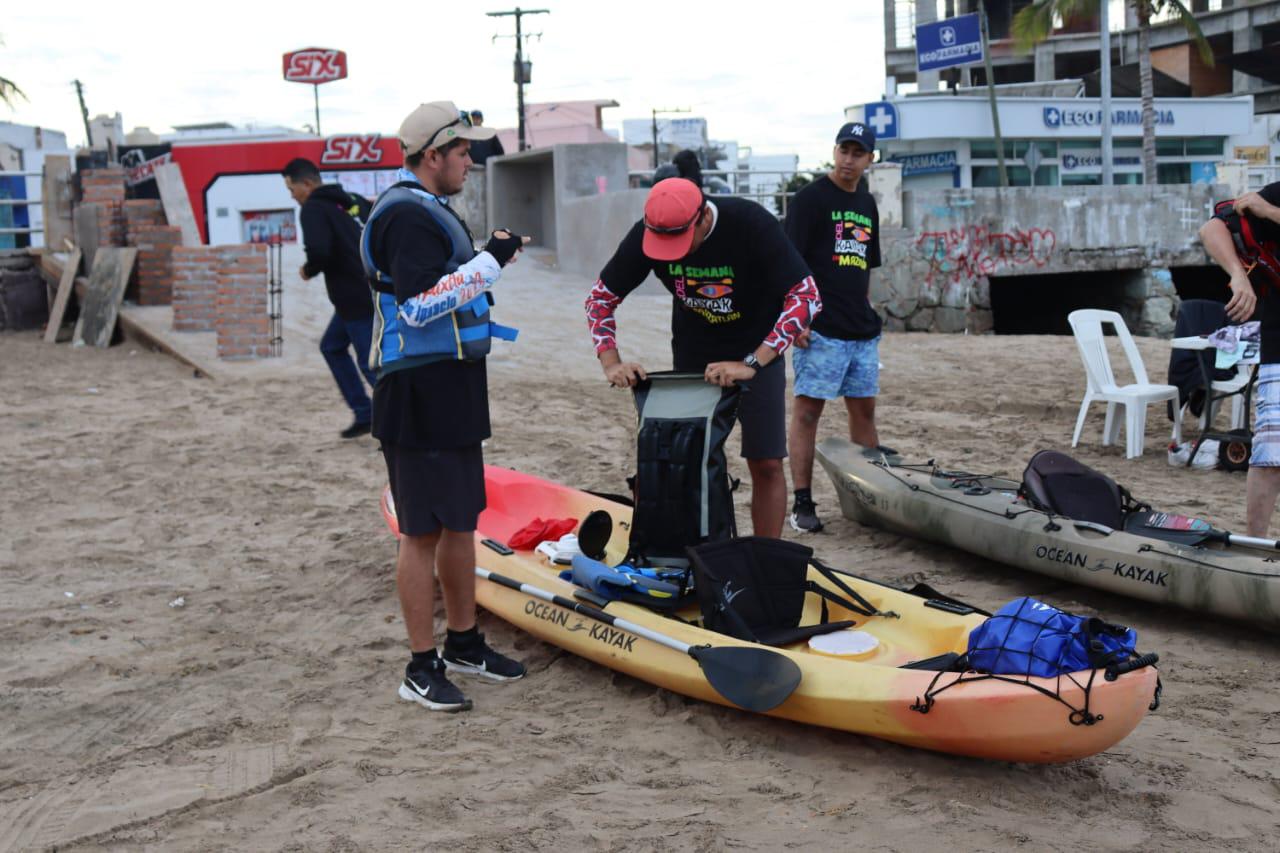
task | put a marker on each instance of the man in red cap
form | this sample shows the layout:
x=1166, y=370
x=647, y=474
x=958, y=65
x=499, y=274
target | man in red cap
x=742, y=295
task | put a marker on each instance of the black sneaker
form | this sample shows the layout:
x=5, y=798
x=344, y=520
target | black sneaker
x=479, y=659
x=356, y=430
x=804, y=516
x=431, y=688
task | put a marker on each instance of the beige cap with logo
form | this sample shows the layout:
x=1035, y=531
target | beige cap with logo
x=435, y=124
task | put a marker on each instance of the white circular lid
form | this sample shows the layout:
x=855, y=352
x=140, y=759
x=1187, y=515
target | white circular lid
x=847, y=642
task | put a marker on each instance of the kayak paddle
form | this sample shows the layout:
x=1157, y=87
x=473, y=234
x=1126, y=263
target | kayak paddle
x=753, y=678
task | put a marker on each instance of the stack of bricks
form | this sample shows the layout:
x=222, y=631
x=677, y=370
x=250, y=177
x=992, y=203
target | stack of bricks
x=242, y=324
x=155, y=262
x=104, y=190
x=195, y=288
x=223, y=289
x=139, y=212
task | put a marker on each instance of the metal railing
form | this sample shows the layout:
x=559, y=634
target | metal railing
x=21, y=202
x=763, y=186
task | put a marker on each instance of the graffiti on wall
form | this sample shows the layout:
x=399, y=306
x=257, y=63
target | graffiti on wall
x=960, y=255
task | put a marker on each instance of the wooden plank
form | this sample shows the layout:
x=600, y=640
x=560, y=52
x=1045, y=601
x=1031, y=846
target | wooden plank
x=55, y=192
x=86, y=219
x=65, y=284
x=101, y=302
x=177, y=205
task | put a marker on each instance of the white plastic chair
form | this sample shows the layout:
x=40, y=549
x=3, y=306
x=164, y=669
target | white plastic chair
x=1086, y=325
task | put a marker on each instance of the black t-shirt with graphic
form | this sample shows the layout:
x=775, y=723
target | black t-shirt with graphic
x=837, y=234
x=1268, y=310
x=728, y=294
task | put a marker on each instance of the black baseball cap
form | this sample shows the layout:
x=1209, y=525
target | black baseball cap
x=856, y=131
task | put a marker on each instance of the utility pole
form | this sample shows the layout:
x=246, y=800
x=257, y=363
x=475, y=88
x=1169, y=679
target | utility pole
x=991, y=92
x=84, y=112
x=663, y=110
x=522, y=76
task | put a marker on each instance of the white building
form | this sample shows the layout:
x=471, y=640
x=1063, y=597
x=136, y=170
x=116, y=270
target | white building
x=22, y=150
x=948, y=140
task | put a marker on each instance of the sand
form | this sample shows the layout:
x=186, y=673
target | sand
x=202, y=641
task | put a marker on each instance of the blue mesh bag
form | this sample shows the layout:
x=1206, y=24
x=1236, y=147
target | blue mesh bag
x=1028, y=637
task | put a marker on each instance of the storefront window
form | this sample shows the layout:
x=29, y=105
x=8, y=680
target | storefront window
x=1169, y=148
x=1211, y=145
x=1019, y=176
x=1173, y=173
x=985, y=149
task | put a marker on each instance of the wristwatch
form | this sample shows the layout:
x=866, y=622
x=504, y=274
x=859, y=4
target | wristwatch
x=752, y=362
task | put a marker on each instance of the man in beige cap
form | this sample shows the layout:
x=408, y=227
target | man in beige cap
x=432, y=330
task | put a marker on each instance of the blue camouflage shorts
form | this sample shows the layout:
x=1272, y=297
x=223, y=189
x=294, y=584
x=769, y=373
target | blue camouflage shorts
x=1266, y=432
x=831, y=368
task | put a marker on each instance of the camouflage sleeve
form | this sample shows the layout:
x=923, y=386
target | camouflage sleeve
x=600, y=305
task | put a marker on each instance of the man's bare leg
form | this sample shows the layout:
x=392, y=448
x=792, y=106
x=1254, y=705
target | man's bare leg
x=768, y=496
x=456, y=566
x=805, y=414
x=862, y=421
x=1261, y=489
x=415, y=584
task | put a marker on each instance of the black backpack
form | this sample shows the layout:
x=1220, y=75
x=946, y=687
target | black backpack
x=359, y=209
x=753, y=589
x=1056, y=483
x=682, y=491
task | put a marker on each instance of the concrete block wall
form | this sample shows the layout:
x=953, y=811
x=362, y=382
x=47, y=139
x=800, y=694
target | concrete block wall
x=195, y=288
x=241, y=311
x=154, y=269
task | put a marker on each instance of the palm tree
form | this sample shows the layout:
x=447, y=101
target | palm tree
x=8, y=90
x=1034, y=23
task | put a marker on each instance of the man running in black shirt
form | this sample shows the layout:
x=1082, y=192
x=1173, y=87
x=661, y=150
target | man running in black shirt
x=834, y=224
x=742, y=296
x=331, y=236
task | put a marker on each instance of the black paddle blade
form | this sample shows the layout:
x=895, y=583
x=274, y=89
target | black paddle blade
x=751, y=678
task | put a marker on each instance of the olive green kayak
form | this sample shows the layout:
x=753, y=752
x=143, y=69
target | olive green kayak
x=985, y=516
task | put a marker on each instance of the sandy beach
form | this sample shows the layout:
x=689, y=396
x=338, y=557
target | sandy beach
x=202, y=641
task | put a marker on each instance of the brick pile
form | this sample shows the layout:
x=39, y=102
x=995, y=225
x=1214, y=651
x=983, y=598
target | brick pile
x=104, y=189
x=154, y=269
x=223, y=289
x=195, y=288
x=242, y=324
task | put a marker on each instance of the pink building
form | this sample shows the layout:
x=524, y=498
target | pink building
x=558, y=122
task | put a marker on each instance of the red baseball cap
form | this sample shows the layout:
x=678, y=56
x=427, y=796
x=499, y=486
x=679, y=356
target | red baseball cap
x=670, y=212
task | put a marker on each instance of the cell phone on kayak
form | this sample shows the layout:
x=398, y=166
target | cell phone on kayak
x=495, y=545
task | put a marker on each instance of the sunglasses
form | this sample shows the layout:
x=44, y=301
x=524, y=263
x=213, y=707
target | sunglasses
x=462, y=119
x=676, y=229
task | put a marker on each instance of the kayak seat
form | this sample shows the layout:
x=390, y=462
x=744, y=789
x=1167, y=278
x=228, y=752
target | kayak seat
x=754, y=588
x=1054, y=482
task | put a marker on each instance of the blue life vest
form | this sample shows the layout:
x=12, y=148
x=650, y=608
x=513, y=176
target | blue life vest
x=463, y=334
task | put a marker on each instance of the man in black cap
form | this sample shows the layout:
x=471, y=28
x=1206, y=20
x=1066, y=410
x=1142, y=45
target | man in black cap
x=834, y=224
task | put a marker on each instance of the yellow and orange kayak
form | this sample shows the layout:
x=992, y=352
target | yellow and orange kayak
x=869, y=693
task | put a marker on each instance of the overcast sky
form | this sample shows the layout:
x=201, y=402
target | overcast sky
x=778, y=82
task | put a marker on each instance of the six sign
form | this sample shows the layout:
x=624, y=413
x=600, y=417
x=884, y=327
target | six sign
x=351, y=149
x=315, y=65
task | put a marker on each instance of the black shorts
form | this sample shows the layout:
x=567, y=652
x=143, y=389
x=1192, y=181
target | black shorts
x=436, y=489
x=762, y=413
